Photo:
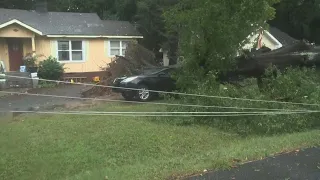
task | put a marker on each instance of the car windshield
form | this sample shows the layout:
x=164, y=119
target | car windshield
x=162, y=70
x=153, y=71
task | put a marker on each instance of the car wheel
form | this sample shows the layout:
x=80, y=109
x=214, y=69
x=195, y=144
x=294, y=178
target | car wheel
x=144, y=94
x=127, y=96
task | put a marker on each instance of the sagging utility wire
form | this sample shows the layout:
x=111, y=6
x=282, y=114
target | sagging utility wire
x=165, y=92
x=155, y=103
x=150, y=115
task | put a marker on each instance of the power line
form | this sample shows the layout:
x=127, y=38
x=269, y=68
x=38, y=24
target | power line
x=181, y=112
x=145, y=115
x=165, y=92
x=268, y=112
x=153, y=103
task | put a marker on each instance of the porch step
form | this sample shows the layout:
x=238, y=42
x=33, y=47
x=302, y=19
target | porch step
x=13, y=82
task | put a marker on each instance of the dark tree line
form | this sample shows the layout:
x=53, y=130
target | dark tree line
x=145, y=14
x=298, y=18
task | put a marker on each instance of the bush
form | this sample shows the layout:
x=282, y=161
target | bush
x=50, y=69
x=31, y=62
x=294, y=85
x=44, y=84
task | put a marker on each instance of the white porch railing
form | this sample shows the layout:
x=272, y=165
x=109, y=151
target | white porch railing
x=2, y=67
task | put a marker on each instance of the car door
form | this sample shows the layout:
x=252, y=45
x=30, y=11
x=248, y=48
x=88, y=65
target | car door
x=165, y=81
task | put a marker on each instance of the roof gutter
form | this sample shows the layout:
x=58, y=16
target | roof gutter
x=88, y=36
x=279, y=45
x=120, y=37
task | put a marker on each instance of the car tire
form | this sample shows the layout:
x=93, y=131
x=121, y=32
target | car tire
x=127, y=96
x=144, y=94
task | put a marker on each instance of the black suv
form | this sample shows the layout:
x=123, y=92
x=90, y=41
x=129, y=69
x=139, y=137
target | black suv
x=159, y=80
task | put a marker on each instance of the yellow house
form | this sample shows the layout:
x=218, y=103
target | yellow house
x=81, y=41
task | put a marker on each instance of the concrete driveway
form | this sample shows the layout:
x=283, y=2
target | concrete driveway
x=27, y=103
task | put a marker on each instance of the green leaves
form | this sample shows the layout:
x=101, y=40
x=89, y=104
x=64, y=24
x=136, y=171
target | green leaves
x=298, y=18
x=50, y=69
x=211, y=32
x=292, y=85
x=210, y=35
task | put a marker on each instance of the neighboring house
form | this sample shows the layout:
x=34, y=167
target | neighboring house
x=273, y=39
x=81, y=41
x=165, y=57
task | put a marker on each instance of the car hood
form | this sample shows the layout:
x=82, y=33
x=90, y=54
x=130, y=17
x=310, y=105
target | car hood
x=131, y=78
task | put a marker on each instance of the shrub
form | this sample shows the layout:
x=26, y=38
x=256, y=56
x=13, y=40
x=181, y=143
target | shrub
x=31, y=62
x=294, y=85
x=50, y=69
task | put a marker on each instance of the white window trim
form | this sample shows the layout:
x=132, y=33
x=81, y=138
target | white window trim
x=121, y=48
x=70, y=52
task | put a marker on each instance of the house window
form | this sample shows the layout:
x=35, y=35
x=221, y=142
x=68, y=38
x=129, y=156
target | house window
x=117, y=48
x=70, y=51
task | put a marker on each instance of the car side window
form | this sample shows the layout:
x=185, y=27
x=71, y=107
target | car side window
x=166, y=72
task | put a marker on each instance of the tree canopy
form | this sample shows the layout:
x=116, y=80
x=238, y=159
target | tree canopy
x=202, y=21
x=299, y=18
x=211, y=31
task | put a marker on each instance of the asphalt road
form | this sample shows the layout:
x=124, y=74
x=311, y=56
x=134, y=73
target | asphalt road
x=302, y=165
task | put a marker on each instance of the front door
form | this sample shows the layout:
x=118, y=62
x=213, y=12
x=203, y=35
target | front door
x=15, y=54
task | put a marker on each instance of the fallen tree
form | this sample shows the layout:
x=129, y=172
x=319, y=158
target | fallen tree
x=136, y=59
x=300, y=54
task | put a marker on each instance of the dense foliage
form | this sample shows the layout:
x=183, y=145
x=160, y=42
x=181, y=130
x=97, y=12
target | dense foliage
x=293, y=85
x=208, y=35
x=211, y=32
x=300, y=19
x=50, y=69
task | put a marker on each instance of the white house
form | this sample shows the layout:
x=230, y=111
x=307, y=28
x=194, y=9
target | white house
x=273, y=39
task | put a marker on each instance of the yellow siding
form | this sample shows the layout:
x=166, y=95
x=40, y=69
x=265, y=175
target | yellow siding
x=15, y=31
x=27, y=47
x=95, y=52
x=4, y=56
x=96, y=58
x=43, y=47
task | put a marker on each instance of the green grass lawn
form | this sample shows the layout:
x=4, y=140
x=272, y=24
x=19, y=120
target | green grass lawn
x=71, y=147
